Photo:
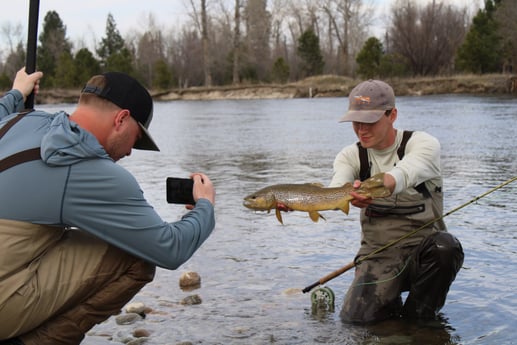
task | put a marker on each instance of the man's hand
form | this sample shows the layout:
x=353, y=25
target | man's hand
x=25, y=83
x=362, y=201
x=203, y=189
x=359, y=200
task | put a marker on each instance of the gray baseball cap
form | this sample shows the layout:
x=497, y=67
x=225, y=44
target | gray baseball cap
x=368, y=101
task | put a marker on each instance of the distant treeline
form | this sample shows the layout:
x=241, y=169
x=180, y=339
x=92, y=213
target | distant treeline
x=281, y=41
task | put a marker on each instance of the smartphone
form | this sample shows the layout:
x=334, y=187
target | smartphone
x=179, y=190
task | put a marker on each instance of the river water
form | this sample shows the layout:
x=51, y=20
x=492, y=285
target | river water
x=252, y=266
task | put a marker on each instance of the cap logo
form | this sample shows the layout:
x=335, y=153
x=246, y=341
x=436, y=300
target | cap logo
x=361, y=100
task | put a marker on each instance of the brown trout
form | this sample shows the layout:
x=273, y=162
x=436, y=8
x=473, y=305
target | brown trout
x=313, y=198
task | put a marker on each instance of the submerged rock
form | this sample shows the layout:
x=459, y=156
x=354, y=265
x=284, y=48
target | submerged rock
x=191, y=300
x=190, y=281
x=128, y=319
x=141, y=333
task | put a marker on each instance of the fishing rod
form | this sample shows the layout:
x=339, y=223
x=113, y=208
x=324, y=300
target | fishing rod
x=30, y=62
x=348, y=266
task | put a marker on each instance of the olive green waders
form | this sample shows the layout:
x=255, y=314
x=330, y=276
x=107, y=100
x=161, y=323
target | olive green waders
x=56, y=284
x=426, y=271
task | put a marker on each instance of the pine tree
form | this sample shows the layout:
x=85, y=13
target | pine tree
x=280, y=71
x=112, y=51
x=481, y=51
x=310, y=52
x=86, y=66
x=369, y=58
x=53, y=45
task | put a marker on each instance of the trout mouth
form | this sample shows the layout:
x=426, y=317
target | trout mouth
x=252, y=203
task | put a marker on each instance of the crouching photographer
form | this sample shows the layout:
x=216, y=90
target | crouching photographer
x=77, y=237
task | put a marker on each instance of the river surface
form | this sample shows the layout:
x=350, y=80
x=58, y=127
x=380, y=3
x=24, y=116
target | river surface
x=252, y=266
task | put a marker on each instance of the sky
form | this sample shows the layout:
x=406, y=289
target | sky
x=85, y=21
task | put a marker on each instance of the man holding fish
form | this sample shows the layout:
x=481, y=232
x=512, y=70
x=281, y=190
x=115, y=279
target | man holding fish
x=426, y=263
x=394, y=177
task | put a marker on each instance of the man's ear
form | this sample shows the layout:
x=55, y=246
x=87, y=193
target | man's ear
x=121, y=116
x=393, y=115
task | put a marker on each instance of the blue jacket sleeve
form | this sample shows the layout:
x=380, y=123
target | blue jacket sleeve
x=10, y=103
x=115, y=210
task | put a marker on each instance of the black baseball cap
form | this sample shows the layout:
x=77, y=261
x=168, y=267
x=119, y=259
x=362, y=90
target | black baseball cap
x=127, y=93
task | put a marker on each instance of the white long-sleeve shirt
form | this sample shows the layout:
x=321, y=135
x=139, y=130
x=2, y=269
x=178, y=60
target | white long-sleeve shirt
x=421, y=163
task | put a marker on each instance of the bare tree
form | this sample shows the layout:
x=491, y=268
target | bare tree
x=187, y=56
x=349, y=21
x=206, y=48
x=15, y=52
x=149, y=50
x=200, y=18
x=236, y=43
x=298, y=15
x=426, y=37
x=258, y=33
x=506, y=16
x=12, y=35
x=278, y=34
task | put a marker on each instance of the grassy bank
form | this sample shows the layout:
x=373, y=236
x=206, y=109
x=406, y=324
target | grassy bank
x=336, y=86
x=322, y=86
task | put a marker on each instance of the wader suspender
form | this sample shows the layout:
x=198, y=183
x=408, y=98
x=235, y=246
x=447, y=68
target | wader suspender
x=22, y=156
x=365, y=170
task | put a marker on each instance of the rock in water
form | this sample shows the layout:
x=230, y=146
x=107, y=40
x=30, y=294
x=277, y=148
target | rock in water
x=190, y=280
x=191, y=300
x=137, y=307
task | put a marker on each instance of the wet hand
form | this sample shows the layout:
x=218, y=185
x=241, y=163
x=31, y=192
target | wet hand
x=359, y=200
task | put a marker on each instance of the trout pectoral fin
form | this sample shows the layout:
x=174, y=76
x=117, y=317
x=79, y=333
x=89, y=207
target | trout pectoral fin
x=315, y=216
x=346, y=207
x=279, y=216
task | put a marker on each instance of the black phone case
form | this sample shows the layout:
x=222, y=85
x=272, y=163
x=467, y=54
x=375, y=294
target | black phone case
x=179, y=190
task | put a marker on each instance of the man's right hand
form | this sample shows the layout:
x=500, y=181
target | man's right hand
x=359, y=200
x=25, y=83
x=203, y=188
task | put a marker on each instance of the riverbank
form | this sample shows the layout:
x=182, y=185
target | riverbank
x=321, y=86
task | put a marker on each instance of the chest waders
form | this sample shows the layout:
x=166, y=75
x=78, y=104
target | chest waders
x=22, y=156
x=323, y=296
x=423, y=264
x=390, y=218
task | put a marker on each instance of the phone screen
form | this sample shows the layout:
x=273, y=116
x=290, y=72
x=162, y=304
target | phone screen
x=179, y=190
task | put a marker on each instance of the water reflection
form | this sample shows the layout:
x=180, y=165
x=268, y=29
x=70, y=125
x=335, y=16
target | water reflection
x=408, y=332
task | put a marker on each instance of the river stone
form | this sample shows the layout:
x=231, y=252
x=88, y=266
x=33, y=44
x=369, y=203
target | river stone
x=128, y=319
x=137, y=341
x=140, y=333
x=191, y=300
x=122, y=336
x=190, y=279
x=137, y=308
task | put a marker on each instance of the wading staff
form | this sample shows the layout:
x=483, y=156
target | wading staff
x=32, y=36
x=345, y=268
